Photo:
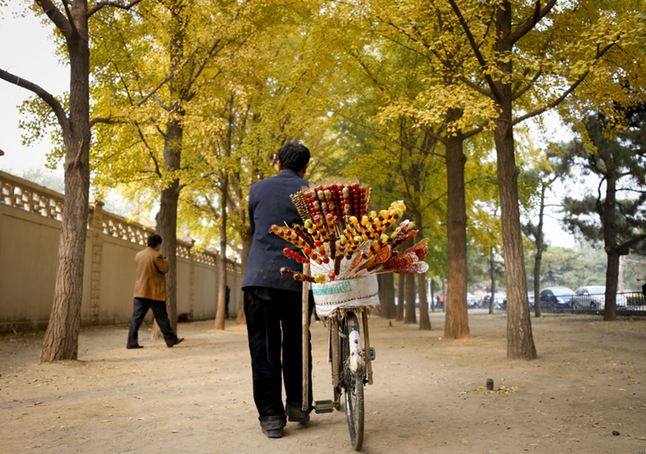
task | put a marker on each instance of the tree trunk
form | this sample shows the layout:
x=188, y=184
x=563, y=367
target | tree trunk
x=424, y=320
x=173, y=143
x=539, y=254
x=456, y=322
x=244, y=259
x=612, y=273
x=167, y=219
x=401, y=292
x=610, y=242
x=380, y=293
x=520, y=342
x=387, y=302
x=61, y=337
x=222, y=259
x=492, y=275
x=409, y=315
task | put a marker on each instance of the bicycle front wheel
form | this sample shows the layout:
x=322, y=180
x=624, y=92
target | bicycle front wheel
x=354, y=373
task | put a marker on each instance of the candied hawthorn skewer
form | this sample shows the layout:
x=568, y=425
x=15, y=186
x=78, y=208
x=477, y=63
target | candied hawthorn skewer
x=296, y=275
x=287, y=252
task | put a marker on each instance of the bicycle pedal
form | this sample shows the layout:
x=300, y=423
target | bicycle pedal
x=323, y=406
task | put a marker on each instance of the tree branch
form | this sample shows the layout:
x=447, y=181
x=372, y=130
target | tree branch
x=566, y=93
x=70, y=19
x=624, y=247
x=57, y=17
x=529, y=85
x=538, y=14
x=476, y=87
x=43, y=94
x=143, y=100
x=476, y=49
x=472, y=132
x=431, y=133
x=368, y=72
x=106, y=120
x=100, y=5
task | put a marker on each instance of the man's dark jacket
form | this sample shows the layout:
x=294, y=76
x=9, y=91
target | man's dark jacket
x=269, y=204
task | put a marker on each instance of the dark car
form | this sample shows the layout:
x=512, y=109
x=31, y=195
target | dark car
x=557, y=298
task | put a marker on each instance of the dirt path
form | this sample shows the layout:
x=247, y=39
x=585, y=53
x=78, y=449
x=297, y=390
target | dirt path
x=588, y=382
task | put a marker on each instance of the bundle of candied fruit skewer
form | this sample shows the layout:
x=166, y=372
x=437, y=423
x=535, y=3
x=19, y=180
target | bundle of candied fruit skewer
x=342, y=240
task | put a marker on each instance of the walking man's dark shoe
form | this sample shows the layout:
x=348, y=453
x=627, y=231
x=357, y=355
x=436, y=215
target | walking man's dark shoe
x=131, y=347
x=178, y=341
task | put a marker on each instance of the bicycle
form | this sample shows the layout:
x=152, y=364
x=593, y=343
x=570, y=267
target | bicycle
x=353, y=369
x=351, y=356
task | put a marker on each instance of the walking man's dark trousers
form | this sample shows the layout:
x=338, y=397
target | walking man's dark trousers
x=272, y=305
x=140, y=309
x=150, y=293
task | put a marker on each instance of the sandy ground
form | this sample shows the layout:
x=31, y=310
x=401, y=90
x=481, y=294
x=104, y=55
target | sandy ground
x=428, y=394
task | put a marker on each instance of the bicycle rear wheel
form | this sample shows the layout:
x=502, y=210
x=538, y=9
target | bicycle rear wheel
x=353, y=381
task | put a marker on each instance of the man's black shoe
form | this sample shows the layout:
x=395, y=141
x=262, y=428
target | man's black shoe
x=130, y=347
x=296, y=414
x=178, y=341
x=301, y=420
x=272, y=426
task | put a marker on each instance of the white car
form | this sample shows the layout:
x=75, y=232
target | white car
x=594, y=297
x=590, y=297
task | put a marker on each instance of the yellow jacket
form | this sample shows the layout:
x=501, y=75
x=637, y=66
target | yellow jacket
x=151, y=279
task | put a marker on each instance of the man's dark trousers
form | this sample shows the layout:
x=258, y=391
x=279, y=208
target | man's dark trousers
x=269, y=313
x=140, y=309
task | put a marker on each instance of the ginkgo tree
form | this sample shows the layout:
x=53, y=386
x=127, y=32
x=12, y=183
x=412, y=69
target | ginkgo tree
x=531, y=56
x=441, y=108
x=151, y=72
x=73, y=24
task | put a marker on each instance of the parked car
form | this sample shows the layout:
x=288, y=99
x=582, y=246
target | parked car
x=499, y=301
x=590, y=297
x=557, y=298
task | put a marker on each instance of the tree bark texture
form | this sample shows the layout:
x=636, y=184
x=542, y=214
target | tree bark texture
x=401, y=293
x=539, y=254
x=381, y=289
x=424, y=319
x=61, y=337
x=492, y=276
x=610, y=243
x=173, y=143
x=520, y=342
x=222, y=260
x=456, y=322
x=167, y=220
x=244, y=260
x=387, y=295
x=409, y=315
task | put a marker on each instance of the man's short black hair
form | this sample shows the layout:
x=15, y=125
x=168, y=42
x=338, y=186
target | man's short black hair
x=154, y=240
x=294, y=156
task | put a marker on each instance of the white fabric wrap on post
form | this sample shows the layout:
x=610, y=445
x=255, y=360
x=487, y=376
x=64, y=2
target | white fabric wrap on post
x=359, y=292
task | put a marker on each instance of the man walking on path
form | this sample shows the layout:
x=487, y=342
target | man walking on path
x=150, y=292
x=272, y=303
